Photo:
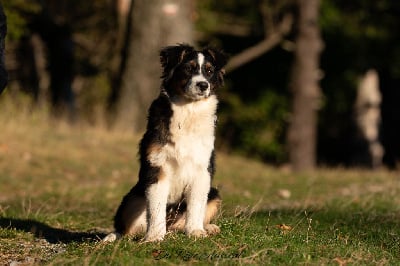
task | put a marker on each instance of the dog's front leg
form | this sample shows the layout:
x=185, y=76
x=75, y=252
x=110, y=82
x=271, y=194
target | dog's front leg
x=196, y=206
x=157, y=195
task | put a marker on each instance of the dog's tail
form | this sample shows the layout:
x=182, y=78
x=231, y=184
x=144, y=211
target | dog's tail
x=112, y=237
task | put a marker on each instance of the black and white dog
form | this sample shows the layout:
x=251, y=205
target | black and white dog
x=177, y=151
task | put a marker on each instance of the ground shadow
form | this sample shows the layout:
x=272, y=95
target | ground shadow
x=51, y=234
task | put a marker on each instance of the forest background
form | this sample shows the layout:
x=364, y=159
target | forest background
x=96, y=63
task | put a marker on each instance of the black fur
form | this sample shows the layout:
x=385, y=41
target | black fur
x=179, y=65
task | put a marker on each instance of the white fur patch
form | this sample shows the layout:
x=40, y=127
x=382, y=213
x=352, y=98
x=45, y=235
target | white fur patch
x=184, y=163
x=193, y=90
x=157, y=195
x=111, y=237
x=200, y=60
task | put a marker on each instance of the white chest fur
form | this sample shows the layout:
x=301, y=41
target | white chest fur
x=186, y=158
x=192, y=129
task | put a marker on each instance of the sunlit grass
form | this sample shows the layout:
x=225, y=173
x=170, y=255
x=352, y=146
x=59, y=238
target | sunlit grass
x=60, y=186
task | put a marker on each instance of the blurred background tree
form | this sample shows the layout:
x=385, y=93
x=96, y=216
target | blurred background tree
x=150, y=24
x=106, y=62
x=304, y=85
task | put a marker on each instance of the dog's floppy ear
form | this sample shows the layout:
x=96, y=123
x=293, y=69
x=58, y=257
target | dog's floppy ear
x=171, y=56
x=220, y=59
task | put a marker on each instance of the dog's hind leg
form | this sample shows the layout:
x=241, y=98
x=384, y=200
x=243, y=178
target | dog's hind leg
x=176, y=216
x=130, y=218
x=213, y=206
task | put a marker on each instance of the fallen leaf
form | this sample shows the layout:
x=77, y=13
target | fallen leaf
x=284, y=227
x=341, y=262
x=155, y=253
x=284, y=193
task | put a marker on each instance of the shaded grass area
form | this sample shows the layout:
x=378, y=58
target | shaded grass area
x=60, y=186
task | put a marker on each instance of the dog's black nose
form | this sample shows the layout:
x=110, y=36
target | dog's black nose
x=202, y=85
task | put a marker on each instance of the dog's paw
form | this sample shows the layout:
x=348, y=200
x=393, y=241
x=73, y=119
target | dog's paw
x=154, y=237
x=197, y=233
x=212, y=229
x=111, y=237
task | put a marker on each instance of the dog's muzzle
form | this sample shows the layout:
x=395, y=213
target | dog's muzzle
x=202, y=86
x=198, y=89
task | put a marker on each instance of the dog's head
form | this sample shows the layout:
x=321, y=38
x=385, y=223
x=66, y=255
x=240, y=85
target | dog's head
x=190, y=74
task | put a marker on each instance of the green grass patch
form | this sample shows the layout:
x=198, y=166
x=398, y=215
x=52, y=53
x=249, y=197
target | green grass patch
x=60, y=186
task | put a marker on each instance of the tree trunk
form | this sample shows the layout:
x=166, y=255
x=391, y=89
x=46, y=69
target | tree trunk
x=3, y=31
x=117, y=63
x=367, y=110
x=152, y=25
x=302, y=132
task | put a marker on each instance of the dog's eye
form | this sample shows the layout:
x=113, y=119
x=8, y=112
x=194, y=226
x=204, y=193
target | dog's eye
x=209, y=71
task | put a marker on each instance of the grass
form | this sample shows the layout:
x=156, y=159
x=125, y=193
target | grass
x=60, y=186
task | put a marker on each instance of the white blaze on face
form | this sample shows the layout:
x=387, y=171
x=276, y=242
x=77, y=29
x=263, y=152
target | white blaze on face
x=194, y=89
x=200, y=59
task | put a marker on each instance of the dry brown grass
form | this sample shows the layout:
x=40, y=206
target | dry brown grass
x=60, y=185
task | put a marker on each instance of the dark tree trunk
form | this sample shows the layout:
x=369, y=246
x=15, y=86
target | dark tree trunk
x=302, y=132
x=152, y=24
x=3, y=31
x=60, y=45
